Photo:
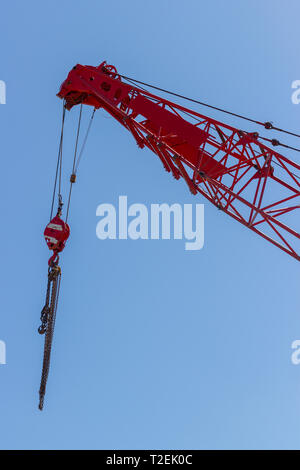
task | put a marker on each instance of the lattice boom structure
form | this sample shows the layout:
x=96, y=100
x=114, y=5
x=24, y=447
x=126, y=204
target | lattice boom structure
x=249, y=181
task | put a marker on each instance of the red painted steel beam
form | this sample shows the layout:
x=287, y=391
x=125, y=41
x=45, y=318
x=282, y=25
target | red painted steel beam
x=231, y=168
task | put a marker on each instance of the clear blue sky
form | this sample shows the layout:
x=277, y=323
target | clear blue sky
x=155, y=347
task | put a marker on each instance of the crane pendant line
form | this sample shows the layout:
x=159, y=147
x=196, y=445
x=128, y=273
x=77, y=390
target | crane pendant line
x=232, y=168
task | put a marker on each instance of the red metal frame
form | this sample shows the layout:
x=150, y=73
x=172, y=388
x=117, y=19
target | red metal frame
x=236, y=172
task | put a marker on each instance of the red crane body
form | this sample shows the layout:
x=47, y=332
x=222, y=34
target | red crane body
x=233, y=169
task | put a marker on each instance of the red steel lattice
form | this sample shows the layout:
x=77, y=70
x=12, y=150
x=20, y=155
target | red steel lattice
x=249, y=181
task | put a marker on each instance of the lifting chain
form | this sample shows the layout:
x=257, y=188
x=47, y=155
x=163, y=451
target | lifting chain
x=48, y=316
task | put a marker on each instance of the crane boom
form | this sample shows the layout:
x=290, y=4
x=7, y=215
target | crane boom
x=233, y=169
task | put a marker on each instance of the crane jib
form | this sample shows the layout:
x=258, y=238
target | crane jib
x=230, y=167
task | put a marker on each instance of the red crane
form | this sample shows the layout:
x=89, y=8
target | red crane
x=233, y=169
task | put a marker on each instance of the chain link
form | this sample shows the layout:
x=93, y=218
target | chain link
x=48, y=316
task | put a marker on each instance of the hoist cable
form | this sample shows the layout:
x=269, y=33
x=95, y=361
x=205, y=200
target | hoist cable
x=77, y=137
x=59, y=162
x=85, y=140
x=267, y=125
x=69, y=200
x=76, y=163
